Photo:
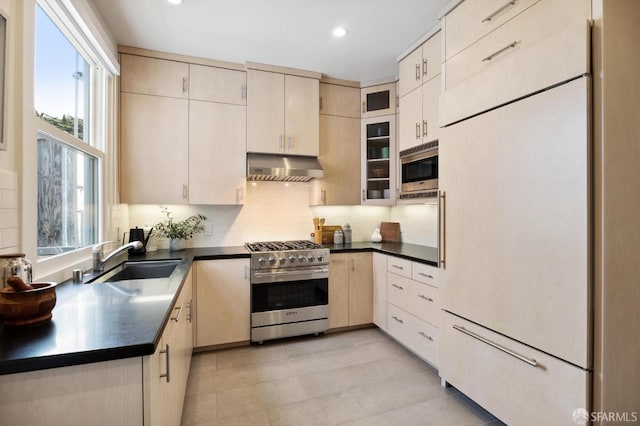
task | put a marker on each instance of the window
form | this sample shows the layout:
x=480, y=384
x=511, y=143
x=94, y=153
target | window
x=67, y=85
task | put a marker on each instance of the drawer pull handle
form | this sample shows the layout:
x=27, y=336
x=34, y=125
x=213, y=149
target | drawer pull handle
x=426, y=336
x=422, y=296
x=417, y=72
x=499, y=10
x=397, y=319
x=397, y=267
x=167, y=375
x=424, y=67
x=399, y=287
x=497, y=52
x=417, y=130
x=177, y=317
x=425, y=275
x=495, y=345
x=424, y=128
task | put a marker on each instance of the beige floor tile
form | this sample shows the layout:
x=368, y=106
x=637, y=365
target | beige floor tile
x=449, y=410
x=199, y=410
x=251, y=418
x=337, y=380
x=340, y=408
x=304, y=413
x=205, y=382
x=397, y=393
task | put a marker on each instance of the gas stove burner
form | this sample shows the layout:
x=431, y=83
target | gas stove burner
x=282, y=246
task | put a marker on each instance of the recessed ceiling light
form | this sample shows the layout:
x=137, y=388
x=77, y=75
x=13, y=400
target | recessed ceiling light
x=175, y=1
x=339, y=32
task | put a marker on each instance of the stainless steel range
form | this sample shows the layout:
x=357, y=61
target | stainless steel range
x=289, y=289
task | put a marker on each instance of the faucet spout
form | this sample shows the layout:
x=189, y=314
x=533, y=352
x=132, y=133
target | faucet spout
x=99, y=261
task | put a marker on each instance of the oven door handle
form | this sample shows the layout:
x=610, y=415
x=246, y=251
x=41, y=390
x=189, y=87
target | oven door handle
x=297, y=272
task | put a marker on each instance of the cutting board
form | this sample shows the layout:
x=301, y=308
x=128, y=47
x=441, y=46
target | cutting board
x=390, y=231
x=327, y=233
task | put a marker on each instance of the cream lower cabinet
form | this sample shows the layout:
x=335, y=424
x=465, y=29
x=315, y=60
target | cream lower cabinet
x=350, y=289
x=413, y=310
x=380, y=290
x=223, y=304
x=130, y=391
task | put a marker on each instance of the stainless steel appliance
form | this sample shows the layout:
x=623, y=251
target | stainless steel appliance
x=419, y=171
x=289, y=289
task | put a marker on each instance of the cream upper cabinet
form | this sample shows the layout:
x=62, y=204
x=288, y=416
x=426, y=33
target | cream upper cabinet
x=217, y=85
x=378, y=100
x=152, y=76
x=419, y=94
x=282, y=113
x=343, y=101
x=217, y=153
x=514, y=60
x=223, y=304
x=339, y=145
x=421, y=65
x=154, y=146
x=378, y=152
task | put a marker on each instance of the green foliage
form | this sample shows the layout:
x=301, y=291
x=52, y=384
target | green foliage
x=181, y=230
x=65, y=123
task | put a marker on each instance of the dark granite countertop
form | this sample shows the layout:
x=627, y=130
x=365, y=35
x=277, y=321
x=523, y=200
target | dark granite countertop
x=106, y=321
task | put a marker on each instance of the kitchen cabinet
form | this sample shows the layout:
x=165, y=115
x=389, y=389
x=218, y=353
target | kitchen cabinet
x=223, y=304
x=413, y=311
x=499, y=68
x=419, y=97
x=282, y=113
x=217, y=153
x=380, y=290
x=350, y=289
x=378, y=152
x=339, y=145
x=378, y=100
x=197, y=134
x=154, y=149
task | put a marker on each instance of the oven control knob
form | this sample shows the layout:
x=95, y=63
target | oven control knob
x=310, y=258
x=301, y=258
x=272, y=260
x=292, y=259
x=282, y=260
x=320, y=258
x=261, y=260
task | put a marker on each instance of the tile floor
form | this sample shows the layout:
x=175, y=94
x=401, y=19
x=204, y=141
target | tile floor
x=359, y=377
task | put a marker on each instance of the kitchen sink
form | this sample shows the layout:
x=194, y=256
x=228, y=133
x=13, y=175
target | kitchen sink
x=139, y=271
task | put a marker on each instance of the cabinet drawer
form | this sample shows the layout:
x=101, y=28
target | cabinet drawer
x=425, y=303
x=511, y=389
x=473, y=19
x=415, y=334
x=547, y=44
x=399, y=266
x=400, y=291
x=425, y=274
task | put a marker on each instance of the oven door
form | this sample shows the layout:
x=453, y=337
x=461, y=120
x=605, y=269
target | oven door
x=290, y=294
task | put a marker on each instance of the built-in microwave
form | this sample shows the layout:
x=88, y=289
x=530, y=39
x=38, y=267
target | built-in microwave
x=419, y=171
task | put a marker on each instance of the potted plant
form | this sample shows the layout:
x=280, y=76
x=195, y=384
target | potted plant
x=178, y=231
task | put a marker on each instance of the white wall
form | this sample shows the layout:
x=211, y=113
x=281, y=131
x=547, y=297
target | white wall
x=280, y=211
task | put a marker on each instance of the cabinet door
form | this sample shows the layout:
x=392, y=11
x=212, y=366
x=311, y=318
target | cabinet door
x=339, y=100
x=430, y=99
x=265, y=112
x=409, y=73
x=360, y=289
x=410, y=119
x=378, y=100
x=151, y=76
x=301, y=123
x=217, y=85
x=521, y=266
x=338, y=290
x=217, y=153
x=339, y=145
x=380, y=290
x=378, y=153
x=153, y=149
x=223, y=311
x=432, y=57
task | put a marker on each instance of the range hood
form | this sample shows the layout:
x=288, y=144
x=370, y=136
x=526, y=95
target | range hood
x=277, y=167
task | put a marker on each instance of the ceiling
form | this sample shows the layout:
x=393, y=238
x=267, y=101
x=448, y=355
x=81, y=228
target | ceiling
x=290, y=33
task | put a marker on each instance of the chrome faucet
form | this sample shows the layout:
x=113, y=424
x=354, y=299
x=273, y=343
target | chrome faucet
x=99, y=261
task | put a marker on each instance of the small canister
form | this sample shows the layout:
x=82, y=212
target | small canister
x=15, y=265
x=346, y=229
x=338, y=237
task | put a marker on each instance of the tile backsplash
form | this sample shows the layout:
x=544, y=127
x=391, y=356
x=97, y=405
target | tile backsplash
x=280, y=211
x=9, y=213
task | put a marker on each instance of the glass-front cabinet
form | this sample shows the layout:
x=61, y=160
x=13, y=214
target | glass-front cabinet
x=379, y=160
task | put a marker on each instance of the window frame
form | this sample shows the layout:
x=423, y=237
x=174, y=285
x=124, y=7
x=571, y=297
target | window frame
x=100, y=142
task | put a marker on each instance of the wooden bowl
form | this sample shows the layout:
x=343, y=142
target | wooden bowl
x=29, y=306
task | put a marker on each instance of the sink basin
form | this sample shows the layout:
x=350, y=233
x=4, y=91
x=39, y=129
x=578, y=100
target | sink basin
x=139, y=271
